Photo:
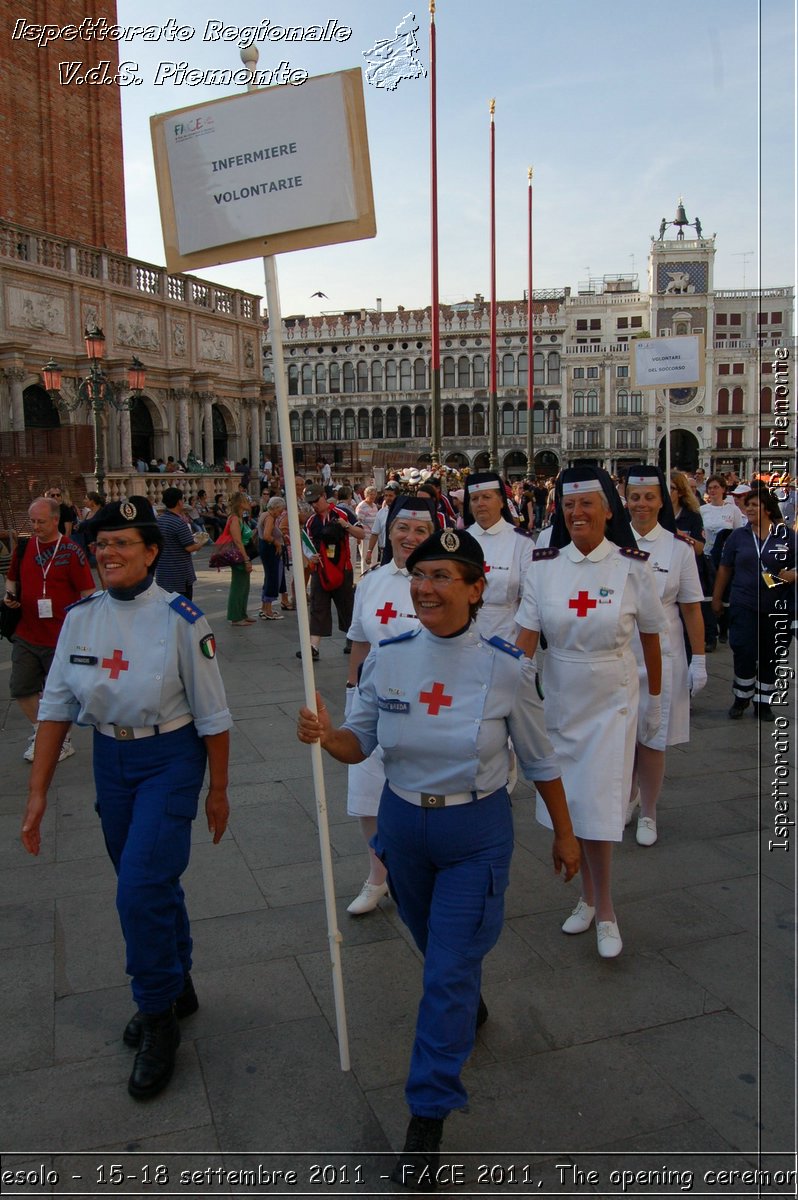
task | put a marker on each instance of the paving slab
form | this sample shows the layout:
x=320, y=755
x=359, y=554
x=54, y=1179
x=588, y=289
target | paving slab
x=28, y=1007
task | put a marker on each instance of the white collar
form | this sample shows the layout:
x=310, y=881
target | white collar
x=601, y=551
x=397, y=570
x=499, y=527
x=654, y=535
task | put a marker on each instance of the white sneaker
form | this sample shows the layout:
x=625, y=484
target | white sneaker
x=580, y=919
x=646, y=831
x=608, y=938
x=630, y=808
x=67, y=750
x=369, y=898
x=28, y=753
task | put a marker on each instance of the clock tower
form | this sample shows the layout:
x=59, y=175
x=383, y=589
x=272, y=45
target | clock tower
x=680, y=285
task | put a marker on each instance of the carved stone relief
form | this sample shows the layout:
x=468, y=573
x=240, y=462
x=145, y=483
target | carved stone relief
x=214, y=346
x=36, y=310
x=137, y=329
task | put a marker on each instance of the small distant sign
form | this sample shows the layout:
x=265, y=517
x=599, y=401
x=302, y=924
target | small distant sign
x=669, y=361
x=262, y=172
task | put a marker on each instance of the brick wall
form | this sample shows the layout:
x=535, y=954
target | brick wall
x=61, y=168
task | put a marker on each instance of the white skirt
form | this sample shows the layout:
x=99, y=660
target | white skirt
x=365, y=782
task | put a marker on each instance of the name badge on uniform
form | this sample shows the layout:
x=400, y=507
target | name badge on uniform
x=394, y=706
x=45, y=608
x=83, y=660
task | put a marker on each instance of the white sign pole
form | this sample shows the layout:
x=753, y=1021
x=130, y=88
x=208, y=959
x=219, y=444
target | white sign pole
x=287, y=455
x=667, y=436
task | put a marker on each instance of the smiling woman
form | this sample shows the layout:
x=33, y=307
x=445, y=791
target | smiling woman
x=441, y=702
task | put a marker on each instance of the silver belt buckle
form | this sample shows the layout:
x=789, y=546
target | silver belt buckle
x=430, y=800
x=123, y=733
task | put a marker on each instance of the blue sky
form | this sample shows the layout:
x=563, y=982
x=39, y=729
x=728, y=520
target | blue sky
x=620, y=107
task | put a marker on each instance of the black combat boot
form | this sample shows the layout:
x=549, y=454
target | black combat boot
x=185, y=1004
x=417, y=1165
x=155, y=1061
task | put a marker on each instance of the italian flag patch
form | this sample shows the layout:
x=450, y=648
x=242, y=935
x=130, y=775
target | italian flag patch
x=208, y=646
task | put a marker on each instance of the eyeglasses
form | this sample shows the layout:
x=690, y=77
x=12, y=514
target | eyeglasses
x=53, y=495
x=118, y=544
x=438, y=579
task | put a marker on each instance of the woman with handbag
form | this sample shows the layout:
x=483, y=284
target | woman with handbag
x=240, y=534
x=271, y=548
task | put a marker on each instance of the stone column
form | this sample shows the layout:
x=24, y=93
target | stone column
x=207, y=450
x=125, y=440
x=183, y=440
x=15, y=376
x=254, y=436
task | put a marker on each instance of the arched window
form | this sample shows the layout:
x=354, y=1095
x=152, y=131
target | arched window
x=335, y=425
x=523, y=368
x=307, y=426
x=538, y=419
x=293, y=380
x=479, y=371
x=293, y=421
x=405, y=421
x=321, y=426
x=723, y=401
x=448, y=419
x=592, y=402
x=419, y=375
x=307, y=380
x=405, y=374
x=553, y=418
x=463, y=421
x=538, y=375
x=766, y=400
x=391, y=423
x=508, y=371
x=420, y=421
x=349, y=377
x=579, y=404
x=448, y=372
x=362, y=376
x=522, y=415
x=478, y=421
x=376, y=377
x=623, y=403
x=349, y=425
x=463, y=372
x=554, y=367
x=335, y=377
x=377, y=423
x=321, y=379
x=363, y=423
x=390, y=377
x=737, y=400
x=508, y=420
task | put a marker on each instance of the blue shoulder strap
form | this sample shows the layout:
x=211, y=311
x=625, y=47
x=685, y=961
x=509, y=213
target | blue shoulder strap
x=500, y=644
x=188, y=611
x=633, y=552
x=83, y=600
x=402, y=637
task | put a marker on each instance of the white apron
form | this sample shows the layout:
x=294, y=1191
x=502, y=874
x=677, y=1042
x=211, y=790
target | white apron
x=507, y=558
x=588, y=607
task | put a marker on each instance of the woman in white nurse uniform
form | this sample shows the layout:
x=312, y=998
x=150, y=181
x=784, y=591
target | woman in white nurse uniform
x=589, y=592
x=508, y=553
x=383, y=609
x=673, y=562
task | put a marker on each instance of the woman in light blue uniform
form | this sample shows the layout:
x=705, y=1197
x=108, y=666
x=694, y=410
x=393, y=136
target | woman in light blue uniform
x=138, y=664
x=441, y=702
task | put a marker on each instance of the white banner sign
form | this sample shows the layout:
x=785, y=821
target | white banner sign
x=264, y=171
x=669, y=361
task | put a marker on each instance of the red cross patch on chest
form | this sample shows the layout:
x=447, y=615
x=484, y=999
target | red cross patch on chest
x=386, y=612
x=116, y=664
x=435, y=699
x=582, y=604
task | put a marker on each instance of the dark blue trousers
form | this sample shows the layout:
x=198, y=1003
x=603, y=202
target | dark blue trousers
x=147, y=794
x=752, y=637
x=448, y=870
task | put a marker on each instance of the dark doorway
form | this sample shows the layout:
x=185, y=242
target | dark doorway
x=684, y=450
x=40, y=412
x=142, y=431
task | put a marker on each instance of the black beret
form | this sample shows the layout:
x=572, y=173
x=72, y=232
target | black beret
x=452, y=545
x=133, y=513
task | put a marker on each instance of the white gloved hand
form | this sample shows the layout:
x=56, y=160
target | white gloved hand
x=652, y=719
x=697, y=673
x=351, y=692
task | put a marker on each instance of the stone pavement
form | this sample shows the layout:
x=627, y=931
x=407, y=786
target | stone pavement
x=677, y=1057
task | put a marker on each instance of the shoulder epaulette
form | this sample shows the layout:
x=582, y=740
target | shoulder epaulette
x=500, y=644
x=633, y=552
x=402, y=637
x=184, y=608
x=684, y=537
x=538, y=555
x=527, y=533
x=83, y=600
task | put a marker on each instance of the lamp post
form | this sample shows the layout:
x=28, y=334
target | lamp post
x=95, y=391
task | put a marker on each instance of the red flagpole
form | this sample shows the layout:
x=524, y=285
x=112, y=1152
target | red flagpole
x=493, y=404
x=435, y=339
x=530, y=373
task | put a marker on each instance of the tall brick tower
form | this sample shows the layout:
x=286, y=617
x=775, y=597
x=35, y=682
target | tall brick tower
x=61, y=168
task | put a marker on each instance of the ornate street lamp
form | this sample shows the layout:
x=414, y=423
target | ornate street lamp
x=95, y=391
